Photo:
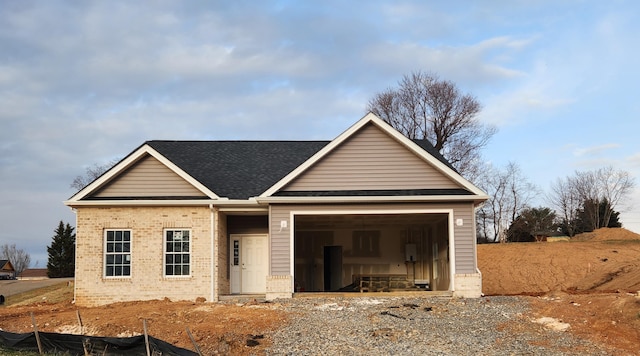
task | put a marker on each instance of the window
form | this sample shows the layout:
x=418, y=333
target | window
x=177, y=253
x=117, y=255
x=236, y=252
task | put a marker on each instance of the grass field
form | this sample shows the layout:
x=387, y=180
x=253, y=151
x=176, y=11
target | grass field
x=52, y=294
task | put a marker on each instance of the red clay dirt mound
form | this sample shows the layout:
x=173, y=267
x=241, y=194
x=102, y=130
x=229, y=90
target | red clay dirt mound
x=607, y=234
x=572, y=279
x=604, y=260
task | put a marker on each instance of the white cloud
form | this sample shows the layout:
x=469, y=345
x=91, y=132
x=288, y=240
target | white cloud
x=594, y=150
x=86, y=82
x=462, y=64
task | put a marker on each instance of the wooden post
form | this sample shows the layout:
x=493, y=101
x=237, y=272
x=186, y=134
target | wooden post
x=80, y=322
x=193, y=341
x=146, y=336
x=35, y=330
x=84, y=344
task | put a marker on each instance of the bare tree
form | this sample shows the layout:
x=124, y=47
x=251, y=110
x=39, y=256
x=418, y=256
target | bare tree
x=615, y=188
x=565, y=200
x=586, y=191
x=18, y=257
x=92, y=173
x=510, y=192
x=426, y=107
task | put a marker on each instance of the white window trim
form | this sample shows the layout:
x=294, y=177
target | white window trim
x=104, y=254
x=164, y=254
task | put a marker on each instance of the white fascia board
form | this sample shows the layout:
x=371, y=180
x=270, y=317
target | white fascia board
x=415, y=148
x=244, y=209
x=316, y=157
x=128, y=162
x=376, y=199
x=223, y=203
x=381, y=124
x=177, y=170
x=142, y=202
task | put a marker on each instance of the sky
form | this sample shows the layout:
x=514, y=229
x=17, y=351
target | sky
x=87, y=82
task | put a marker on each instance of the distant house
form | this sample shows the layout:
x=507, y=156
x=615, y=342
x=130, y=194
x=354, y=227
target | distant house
x=34, y=273
x=209, y=219
x=6, y=270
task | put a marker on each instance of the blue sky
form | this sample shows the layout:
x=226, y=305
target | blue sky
x=87, y=82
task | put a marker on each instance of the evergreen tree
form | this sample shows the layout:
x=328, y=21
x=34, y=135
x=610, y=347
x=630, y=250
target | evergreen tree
x=62, y=252
x=532, y=224
x=595, y=215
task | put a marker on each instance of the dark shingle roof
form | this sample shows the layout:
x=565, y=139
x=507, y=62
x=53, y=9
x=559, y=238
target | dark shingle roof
x=237, y=169
x=372, y=193
x=427, y=146
x=3, y=264
x=244, y=169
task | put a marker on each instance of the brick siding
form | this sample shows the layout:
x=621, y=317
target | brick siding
x=146, y=282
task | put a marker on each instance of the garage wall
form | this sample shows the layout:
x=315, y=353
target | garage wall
x=465, y=238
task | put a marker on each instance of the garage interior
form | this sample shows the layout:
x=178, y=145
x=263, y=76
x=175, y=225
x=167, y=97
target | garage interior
x=371, y=252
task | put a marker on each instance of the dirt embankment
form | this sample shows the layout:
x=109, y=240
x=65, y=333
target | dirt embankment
x=605, y=260
x=591, y=282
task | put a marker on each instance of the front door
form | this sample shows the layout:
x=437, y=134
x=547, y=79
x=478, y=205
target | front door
x=249, y=264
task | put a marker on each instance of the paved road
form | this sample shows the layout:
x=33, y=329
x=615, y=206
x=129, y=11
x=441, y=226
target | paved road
x=8, y=288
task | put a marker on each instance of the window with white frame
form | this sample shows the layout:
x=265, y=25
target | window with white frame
x=177, y=253
x=117, y=253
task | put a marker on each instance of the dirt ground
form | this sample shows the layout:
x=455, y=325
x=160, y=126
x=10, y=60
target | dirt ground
x=590, y=283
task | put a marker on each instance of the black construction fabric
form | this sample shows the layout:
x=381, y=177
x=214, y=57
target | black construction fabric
x=73, y=344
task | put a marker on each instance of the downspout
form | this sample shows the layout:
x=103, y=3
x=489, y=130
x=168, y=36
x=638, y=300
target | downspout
x=213, y=237
x=75, y=257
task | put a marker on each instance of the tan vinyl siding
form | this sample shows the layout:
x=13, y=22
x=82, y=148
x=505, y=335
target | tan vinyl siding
x=371, y=160
x=465, y=239
x=464, y=236
x=148, y=178
x=279, y=242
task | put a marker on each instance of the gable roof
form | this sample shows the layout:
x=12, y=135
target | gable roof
x=245, y=169
x=421, y=148
x=5, y=265
x=237, y=169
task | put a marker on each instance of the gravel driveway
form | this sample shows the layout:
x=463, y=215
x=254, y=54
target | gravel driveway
x=421, y=326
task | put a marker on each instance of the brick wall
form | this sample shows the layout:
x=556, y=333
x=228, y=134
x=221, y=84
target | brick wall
x=146, y=282
x=222, y=261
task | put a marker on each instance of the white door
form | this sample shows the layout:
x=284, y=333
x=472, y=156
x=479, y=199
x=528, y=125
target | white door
x=252, y=264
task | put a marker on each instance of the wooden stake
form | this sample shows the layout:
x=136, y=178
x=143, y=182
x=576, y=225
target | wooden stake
x=35, y=330
x=84, y=344
x=146, y=336
x=193, y=341
x=80, y=322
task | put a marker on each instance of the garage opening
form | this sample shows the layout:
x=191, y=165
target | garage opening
x=371, y=252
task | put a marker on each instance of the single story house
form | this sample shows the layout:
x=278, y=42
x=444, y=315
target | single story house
x=6, y=270
x=208, y=219
x=34, y=274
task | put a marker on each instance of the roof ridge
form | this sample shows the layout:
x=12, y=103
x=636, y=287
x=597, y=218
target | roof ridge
x=227, y=141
